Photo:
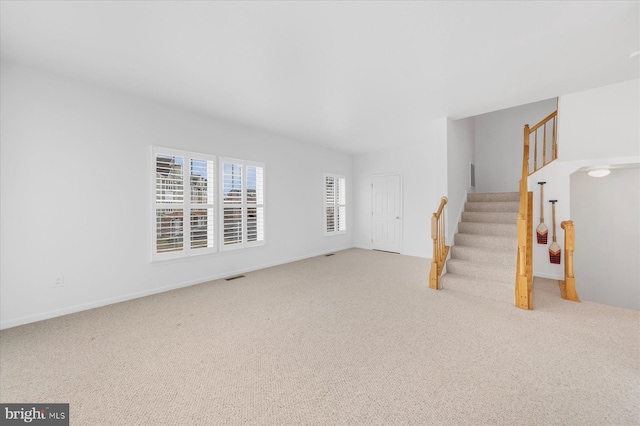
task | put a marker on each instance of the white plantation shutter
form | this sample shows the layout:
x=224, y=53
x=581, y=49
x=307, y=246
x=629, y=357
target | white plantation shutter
x=341, y=201
x=202, y=200
x=255, y=204
x=169, y=230
x=329, y=201
x=232, y=203
x=169, y=178
x=169, y=202
x=184, y=203
x=335, y=208
x=243, y=203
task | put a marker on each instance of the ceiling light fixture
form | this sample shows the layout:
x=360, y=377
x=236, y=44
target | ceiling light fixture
x=599, y=172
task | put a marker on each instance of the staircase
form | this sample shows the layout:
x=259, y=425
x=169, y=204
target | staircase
x=483, y=257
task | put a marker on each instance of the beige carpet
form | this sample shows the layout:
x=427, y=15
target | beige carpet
x=356, y=338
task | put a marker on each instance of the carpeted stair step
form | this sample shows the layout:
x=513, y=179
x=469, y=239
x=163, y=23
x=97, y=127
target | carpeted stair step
x=493, y=196
x=500, y=258
x=498, y=206
x=495, y=229
x=481, y=271
x=491, y=217
x=483, y=256
x=496, y=290
x=487, y=241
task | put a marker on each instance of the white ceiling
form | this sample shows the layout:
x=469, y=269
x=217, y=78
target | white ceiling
x=356, y=76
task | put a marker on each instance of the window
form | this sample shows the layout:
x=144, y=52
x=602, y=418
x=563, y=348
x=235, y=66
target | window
x=188, y=214
x=184, y=189
x=242, y=203
x=335, y=200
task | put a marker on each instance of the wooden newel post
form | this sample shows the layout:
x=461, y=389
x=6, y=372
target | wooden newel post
x=524, y=259
x=440, y=249
x=434, y=282
x=522, y=293
x=569, y=292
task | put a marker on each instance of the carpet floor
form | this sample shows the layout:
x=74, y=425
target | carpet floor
x=357, y=338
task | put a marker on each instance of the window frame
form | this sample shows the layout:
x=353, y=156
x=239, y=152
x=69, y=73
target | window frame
x=336, y=204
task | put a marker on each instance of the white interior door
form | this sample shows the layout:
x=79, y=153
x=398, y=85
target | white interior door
x=386, y=193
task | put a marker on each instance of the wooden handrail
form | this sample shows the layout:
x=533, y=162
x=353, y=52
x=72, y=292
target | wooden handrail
x=443, y=202
x=568, y=286
x=440, y=249
x=544, y=120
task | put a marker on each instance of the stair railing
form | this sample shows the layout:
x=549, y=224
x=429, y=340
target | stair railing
x=440, y=249
x=548, y=152
x=568, y=286
x=524, y=262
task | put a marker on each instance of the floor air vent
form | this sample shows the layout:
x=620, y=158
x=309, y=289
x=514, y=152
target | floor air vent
x=234, y=278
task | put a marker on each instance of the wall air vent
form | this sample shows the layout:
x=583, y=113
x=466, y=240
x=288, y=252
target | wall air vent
x=472, y=175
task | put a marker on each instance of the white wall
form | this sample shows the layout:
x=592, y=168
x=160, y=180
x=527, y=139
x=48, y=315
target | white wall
x=612, y=115
x=600, y=123
x=424, y=178
x=76, y=195
x=499, y=144
x=460, y=153
x=606, y=214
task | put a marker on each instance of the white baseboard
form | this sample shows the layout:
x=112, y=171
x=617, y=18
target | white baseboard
x=104, y=302
x=549, y=276
x=421, y=255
